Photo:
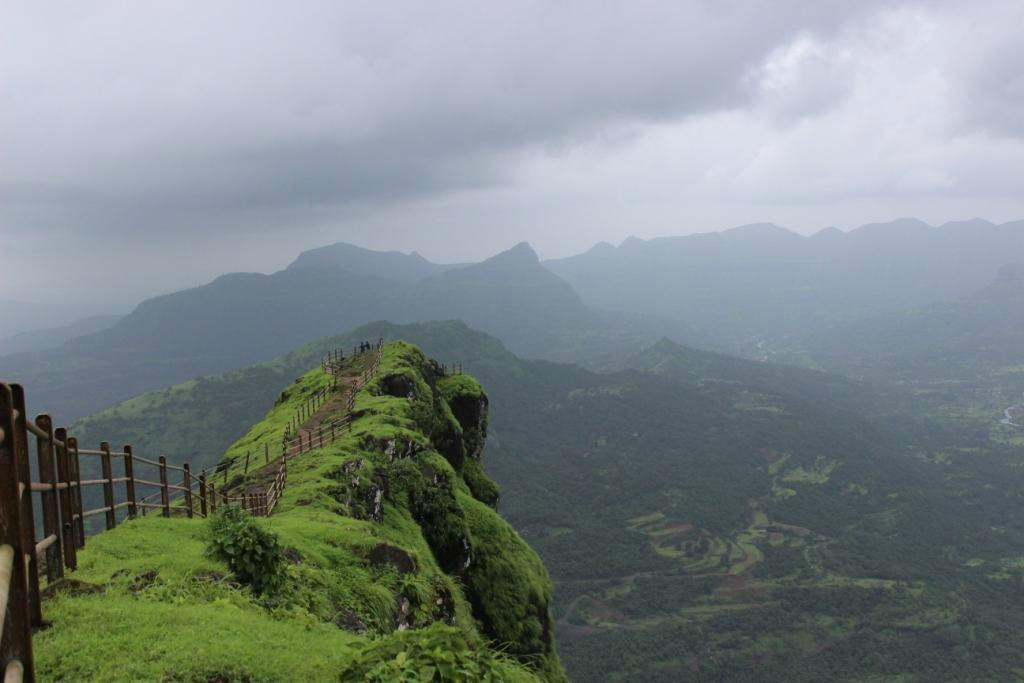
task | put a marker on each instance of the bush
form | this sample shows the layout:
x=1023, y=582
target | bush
x=433, y=654
x=252, y=553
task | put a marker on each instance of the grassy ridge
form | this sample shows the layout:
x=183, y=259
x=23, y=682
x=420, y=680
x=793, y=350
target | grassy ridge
x=371, y=589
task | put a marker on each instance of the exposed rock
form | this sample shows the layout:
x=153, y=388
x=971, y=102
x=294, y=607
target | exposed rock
x=403, y=612
x=448, y=442
x=347, y=620
x=430, y=474
x=398, y=385
x=444, y=604
x=143, y=581
x=395, y=451
x=209, y=576
x=70, y=587
x=383, y=554
x=352, y=466
x=373, y=499
x=471, y=412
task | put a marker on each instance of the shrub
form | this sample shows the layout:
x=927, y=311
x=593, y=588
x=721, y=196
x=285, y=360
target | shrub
x=252, y=553
x=436, y=653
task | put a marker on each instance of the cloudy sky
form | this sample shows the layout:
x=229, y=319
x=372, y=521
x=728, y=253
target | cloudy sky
x=146, y=147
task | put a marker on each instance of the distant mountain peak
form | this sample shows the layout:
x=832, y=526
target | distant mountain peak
x=664, y=345
x=831, y=232
x=357, y=260
x=521, y=255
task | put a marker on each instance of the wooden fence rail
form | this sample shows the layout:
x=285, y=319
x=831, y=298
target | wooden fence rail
x=23, y=559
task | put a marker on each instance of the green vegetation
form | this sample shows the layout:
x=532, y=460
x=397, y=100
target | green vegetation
x=687, y=534
x=378, y=563
x=252, y=554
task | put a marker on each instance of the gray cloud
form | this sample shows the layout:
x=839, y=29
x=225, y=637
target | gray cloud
x=186, y=139
x=131, y=113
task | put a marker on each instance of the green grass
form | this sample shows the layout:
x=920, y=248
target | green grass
x=165, y=610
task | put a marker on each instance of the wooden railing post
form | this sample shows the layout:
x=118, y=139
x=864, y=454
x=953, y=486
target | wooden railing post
x=165, y=494
x=16, y=641
x=129, y=484
x=108, y=485
x=321, y=431
x=66, y=498
x=76, y=496
x=26, y=516
x=51, y=516
x=202, y=494
x=187, y=483
x=213, y=498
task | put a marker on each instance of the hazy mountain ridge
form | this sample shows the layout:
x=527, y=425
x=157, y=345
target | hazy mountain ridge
x=763, y=280
x=242, y=318
x=40, y=339
x=393, y=265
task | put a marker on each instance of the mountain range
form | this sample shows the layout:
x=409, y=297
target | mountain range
x=242, y=318
x=749, y=290
x=762, y=280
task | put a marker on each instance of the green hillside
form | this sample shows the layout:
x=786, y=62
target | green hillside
x=390, y=561
x=724, y=519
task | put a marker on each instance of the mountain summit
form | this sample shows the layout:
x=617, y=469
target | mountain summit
x=521, y=255
x=359, y=261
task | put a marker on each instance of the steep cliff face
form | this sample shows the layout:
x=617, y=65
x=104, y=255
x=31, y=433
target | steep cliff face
x=395, y=561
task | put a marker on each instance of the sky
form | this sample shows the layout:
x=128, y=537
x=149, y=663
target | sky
x=148, y=147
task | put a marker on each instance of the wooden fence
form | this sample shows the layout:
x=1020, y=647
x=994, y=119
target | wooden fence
x=60, y=486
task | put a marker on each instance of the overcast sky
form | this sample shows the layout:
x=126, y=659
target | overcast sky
x=146, y=147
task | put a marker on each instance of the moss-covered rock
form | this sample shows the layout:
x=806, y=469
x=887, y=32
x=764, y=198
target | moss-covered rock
x=393, y=560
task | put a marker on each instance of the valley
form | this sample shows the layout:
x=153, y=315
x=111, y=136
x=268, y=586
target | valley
x=847, y=502
x=717, y=517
